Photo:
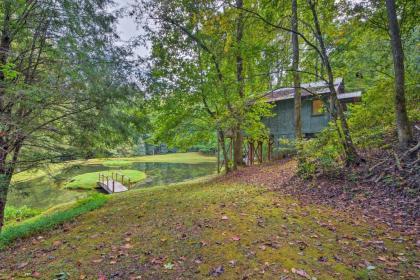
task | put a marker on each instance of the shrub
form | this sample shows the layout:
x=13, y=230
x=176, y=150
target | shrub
x=320, y=155
x=19, y=214
x=50, y=219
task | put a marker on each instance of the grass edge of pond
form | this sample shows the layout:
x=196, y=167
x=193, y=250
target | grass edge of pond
x=50, y=219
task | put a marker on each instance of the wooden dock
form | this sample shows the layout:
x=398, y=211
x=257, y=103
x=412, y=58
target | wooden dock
x=112, y=184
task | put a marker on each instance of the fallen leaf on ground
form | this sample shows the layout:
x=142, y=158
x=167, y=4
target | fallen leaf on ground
x=127, y=246
x=217, y=271
x=36, y=274
x=301, y=273
x=22, y=265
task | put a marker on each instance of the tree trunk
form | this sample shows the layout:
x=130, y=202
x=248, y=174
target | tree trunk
x=403, y=124
x=5, y=42
x=296, y=74
x=237, y=134
x=237, y=148
x=5, y=177
x=221, y=139
x=350, y=151
x=4, y=188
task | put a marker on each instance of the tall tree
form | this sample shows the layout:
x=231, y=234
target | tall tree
x=61, y=75
x=403, y=124
x=352, y=156
x=238, y=141
x=212, y=41
x=295, y=68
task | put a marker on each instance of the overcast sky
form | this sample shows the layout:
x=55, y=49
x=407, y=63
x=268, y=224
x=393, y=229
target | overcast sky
x=127, y=28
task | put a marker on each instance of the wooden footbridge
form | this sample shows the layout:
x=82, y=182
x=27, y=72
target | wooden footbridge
x=114, y=183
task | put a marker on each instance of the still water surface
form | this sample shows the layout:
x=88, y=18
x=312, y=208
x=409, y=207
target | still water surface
x=48, y=190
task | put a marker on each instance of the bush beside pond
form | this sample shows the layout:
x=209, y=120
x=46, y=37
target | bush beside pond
x=17, y=214
x=50, y=219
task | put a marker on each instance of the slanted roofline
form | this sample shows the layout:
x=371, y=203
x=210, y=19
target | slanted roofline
x=307, y=89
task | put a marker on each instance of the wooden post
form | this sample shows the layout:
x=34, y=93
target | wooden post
x=113, y=186
x=218, y=155
x=122, y=179
x=251, y=152
x=231, y=148
x=129, y=183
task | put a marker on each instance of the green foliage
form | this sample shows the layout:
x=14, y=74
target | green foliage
x=286, y=148
x=49, y=220
x=374, y=118
x=320, y=155
x=13, y=214
x=193, y=80
x=371, y=122
x=9, y=71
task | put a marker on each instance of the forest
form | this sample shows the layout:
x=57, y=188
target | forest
x=231, y=139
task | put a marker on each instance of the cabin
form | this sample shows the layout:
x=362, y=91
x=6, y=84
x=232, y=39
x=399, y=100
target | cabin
x=314, y=116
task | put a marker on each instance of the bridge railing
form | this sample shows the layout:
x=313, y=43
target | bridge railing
x=114, y=178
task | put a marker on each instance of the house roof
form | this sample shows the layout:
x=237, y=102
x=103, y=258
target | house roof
x=350, y=95
x=317, y=88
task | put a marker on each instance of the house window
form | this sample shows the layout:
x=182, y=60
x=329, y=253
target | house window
x=317, y=107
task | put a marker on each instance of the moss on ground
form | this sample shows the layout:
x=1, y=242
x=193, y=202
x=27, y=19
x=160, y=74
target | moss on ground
x=88, y=181
x=198, y=231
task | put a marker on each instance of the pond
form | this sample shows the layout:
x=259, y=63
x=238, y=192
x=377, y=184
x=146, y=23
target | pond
x=48, y=190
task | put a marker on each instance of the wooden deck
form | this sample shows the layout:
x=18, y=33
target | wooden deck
x=111, y=184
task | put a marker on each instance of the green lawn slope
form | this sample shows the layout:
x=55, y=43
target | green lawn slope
x=212, y=229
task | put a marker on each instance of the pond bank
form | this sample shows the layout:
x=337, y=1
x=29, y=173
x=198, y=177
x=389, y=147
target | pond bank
x=44, y=188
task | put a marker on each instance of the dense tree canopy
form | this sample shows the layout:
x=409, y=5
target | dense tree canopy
x=64, y=86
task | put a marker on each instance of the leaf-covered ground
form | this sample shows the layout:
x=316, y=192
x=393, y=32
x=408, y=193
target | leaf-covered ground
x=219, y=229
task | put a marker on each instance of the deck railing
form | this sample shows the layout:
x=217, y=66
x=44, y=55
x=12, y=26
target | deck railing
x=114, y=178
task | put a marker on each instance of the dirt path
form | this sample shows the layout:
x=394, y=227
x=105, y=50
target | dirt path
x=370, y=201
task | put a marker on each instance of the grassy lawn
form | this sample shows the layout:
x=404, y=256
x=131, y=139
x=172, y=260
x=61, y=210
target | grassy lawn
x=88, y=181
x=190, y=158
x=204, y=230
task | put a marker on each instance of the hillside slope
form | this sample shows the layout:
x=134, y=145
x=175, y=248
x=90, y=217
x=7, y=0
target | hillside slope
x=212, y=229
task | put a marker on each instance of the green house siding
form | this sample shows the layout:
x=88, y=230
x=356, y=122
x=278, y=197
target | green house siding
x=281, y=125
